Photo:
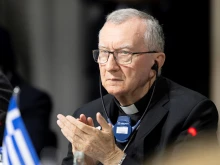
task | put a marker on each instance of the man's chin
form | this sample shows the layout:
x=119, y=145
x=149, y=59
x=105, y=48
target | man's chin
x=116, y=92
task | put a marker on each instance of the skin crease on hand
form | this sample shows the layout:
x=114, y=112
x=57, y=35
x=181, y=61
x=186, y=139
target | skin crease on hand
x=96, y=144
x=89, y=122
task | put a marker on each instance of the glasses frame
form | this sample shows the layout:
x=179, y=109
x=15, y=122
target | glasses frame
x=115, y=57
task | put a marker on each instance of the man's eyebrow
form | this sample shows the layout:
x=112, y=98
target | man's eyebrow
x=127, y=46
x=100, y=46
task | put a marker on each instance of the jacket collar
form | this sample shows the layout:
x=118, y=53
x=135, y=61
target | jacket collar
x=156, y=111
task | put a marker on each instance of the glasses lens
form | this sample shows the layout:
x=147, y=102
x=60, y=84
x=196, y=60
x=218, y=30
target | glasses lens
x=95, y=55
x=103, y=56
x=100, y=56
x=124, y=57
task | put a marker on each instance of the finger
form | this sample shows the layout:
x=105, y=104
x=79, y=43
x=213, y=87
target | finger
x=68, y=132
x=82, y=126
x=103, y=123
x=65, y=122
x=64, y=130
x=67, y=136
x=61, y=118
x=90, y=121
x=66, y=127
x=82, y=118
x=80, y=132
x=60, y=124
x=70, y=136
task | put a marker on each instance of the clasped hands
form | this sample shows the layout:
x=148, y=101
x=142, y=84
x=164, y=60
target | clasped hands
x=97, y=145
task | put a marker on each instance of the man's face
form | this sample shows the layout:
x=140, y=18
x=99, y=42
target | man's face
x=125, y=80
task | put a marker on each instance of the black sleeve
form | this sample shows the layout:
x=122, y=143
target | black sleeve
x=68, y=160
x=5, y=94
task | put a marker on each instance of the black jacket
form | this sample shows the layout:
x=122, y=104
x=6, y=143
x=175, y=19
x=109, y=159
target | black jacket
x=172, y=112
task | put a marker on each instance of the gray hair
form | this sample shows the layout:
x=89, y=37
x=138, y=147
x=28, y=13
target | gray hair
x=153, y=37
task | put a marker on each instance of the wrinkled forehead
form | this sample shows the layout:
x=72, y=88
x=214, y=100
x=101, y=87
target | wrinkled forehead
x=127, y=33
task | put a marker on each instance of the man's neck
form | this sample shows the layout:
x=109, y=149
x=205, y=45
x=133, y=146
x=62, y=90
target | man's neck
x=133, y=97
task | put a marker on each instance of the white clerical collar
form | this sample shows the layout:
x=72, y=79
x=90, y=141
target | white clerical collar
x=130, y=110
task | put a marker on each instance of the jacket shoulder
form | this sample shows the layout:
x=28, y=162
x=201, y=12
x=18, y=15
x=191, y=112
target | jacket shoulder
x=182, y=95
x=185, y=103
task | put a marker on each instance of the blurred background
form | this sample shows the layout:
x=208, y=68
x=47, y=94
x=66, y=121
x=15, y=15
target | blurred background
x=52, y=41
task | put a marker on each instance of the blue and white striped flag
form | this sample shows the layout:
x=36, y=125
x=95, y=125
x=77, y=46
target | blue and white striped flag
x=17, y=146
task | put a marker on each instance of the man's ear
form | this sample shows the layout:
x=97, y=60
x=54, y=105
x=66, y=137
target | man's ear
x=154, y=69
x=155, y=66
x=160, y=59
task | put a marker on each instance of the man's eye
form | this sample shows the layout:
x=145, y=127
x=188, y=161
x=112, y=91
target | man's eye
x=123, y=53
x=103, y=52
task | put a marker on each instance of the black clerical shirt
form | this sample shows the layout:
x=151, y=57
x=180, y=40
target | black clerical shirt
x=141, y=106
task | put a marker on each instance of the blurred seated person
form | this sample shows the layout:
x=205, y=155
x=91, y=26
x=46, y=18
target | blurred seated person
x=5, y=95
x=35, y=105
x=199, y=151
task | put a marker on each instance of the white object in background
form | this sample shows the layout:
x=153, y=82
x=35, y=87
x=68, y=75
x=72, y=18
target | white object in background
x=78, y=158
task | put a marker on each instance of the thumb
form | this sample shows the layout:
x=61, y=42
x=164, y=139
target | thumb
x=103, y=123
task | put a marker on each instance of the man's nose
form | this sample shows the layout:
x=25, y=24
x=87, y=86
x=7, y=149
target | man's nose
x=111, y=64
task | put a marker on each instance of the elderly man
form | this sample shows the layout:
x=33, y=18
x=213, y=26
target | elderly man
x=143, y=112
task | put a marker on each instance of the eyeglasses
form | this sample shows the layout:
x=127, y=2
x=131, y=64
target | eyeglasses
x=121, y=56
